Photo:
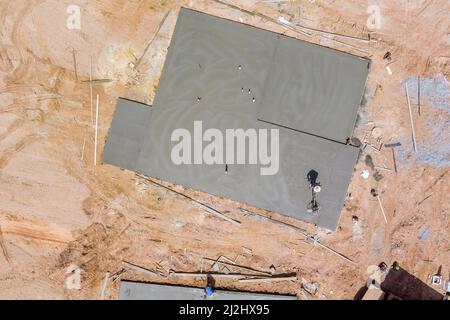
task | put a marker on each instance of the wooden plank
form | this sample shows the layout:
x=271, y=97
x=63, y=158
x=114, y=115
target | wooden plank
x=393, y=159
x=418, y=94
x=84, y=145
x=239, y=266
x=151, y=40
x=74, y=64
x=382, y=209
x=90, y=92
x=272, y=279
x=96, y=132
x=97, y=81
x=411, y=119
x=214, y=275
x=105, y=284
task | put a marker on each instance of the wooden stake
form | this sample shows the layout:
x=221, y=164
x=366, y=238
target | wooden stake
x=393, y=159
x=418, y=94
x=96, y=134
x=293, y=278
x=90, y=91
x=84, y=145
x=382, y=209
x=105, y=283
x=75, y=64
x=411, y=119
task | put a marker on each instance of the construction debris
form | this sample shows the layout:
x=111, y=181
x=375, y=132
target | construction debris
x=375, y=194
x=365, y=174
x=215, y=267
x=142, y=269
x=105, y=284
x=93, y=81
x=411, y=119
x=389, y=70
x=214, y=275
x=311, y=239
x=436, y=280
x=247, y=250
x=214, y=212
x=239, y=266
x=383, y=168
x=392, y=146
x=198, y=203
x=263, y=218
x=377, y=150
x=421, y=201
x=310, y=288
x=117, y=274
x=303, y=30
x=138, y=62
x=387, y=56
x=435, y=182
x=272, y=279
x=272, y=269
x=315, y=241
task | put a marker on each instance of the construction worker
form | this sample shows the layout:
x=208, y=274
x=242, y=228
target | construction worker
x=315, y=186
x=209, y=290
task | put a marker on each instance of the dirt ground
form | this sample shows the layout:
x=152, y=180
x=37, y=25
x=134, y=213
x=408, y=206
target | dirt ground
x=58, y=210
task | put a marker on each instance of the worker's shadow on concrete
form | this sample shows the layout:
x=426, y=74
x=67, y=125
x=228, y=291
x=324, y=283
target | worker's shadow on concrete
x=312, y=177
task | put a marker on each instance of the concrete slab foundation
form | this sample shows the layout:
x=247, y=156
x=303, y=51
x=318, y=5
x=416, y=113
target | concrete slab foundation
x=227, y=75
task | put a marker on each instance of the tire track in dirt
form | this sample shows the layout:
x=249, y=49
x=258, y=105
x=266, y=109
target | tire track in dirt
x=9, y=152
x=16, y=223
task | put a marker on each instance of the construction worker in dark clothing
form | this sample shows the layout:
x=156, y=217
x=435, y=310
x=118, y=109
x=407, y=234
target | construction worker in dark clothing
x=313, y=206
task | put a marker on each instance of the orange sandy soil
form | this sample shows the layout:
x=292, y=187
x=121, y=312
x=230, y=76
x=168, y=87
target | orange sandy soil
x=57, y=210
